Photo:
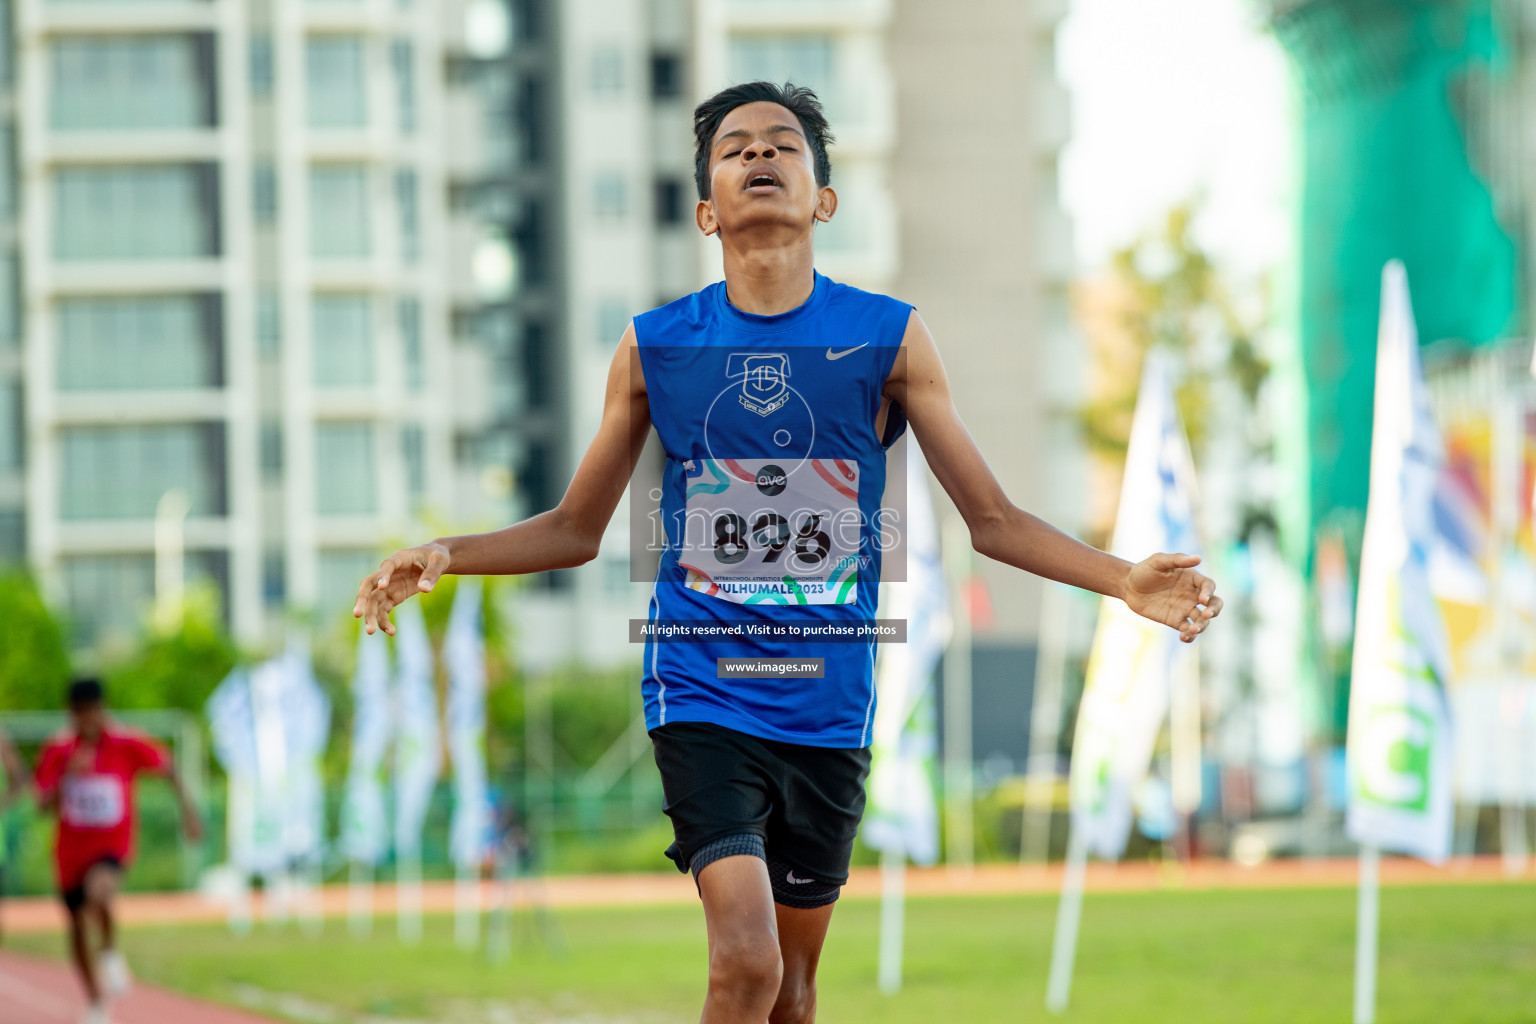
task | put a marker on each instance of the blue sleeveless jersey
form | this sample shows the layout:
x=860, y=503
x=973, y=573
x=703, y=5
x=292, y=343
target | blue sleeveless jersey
x=770, y=506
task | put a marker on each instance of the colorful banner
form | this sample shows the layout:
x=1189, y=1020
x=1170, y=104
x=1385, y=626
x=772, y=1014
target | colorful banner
x=1399, y=747
x=1134, y=661
x=418, y=747
x=903, y=815
x=364, y=831
x=464, y=651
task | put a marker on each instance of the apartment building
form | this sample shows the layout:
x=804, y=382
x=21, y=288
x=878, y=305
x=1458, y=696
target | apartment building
x=239, y=299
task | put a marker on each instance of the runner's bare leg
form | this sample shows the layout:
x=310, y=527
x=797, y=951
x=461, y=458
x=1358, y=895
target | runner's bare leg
x=801, y=934
x=80, y=953
x=744, y=963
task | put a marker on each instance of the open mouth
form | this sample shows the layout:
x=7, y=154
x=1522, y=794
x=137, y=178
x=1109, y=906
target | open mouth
x=762, y=180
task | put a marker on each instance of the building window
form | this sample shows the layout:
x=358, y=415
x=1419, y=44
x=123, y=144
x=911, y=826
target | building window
x=136, y=342
x=264, y=191
x=269, y=322
x=671, y=202
x=606, y=71
x=338, y=211
x=10, y=306
x=131, y=82
x=142, y=211
x=13, y=538
x=272, y=450
x=336, y=80
x=805, y=58
x=7, y=171
x=341, y=331
x=410, y=344
x=406, y=204
x=261, y=66
x=12, y=431
x=345, y=481
x=121, y=471
x=610, y=197
x=613, y=318
x=107, y=596
x=341, y=570
x=666, y=76
x=413, y=452
x=402, y=57
x=274, y=579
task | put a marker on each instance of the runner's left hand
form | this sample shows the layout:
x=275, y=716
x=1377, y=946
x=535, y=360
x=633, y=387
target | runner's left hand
x=1166, y=588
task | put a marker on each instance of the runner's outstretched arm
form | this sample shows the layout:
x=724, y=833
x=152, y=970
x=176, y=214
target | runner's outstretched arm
x=565, y=536
x=1164, y=587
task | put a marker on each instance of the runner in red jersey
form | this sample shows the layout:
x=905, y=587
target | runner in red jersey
x=86, y=774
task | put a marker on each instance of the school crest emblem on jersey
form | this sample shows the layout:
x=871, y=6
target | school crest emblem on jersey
x=764, y=381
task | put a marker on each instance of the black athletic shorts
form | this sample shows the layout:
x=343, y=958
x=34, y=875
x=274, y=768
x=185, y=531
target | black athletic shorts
x=805, y=802
x=74, y=896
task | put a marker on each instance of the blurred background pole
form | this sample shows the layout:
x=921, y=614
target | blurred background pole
x=170, y=557
x=1184, y=746
x=959, y=837
x=1505, y=480
x=1045, y=723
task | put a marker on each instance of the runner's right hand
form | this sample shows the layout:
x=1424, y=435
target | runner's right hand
x=406, y=572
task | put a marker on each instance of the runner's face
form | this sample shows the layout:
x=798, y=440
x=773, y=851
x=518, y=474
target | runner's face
x=761, y=172
x=88, y=719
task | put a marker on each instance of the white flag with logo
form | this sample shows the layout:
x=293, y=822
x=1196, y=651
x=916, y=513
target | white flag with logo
x=1399, y=747
x=418, y=748
x=464, y=651
x=903, y=814
x=1133, y=661
x=306, y=718
x=364, y=835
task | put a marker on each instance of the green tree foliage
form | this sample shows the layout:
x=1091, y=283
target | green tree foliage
x=176, y=666
x=34, y=665
x=1176, y=301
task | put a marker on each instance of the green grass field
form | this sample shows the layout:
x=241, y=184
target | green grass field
x=1448, y=954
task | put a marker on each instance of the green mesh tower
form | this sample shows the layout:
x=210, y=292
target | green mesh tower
x=1400, y=159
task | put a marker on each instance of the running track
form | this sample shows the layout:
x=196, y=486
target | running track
x=36, y=991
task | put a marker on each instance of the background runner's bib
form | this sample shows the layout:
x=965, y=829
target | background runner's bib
x=93, y=801
x=771, y=501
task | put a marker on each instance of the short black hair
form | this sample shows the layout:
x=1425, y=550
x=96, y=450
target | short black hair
x=86, y=691
x=797, y=99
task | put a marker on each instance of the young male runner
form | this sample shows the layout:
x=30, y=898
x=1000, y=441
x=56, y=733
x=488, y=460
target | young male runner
x=86, y=775
x=775, y=395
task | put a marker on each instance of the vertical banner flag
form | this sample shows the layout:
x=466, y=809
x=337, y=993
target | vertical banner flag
x=464, y=651
x=365, y=839
x=269, y=832
x=1133, y=661
x=1399, y=745
x=306, y=723
x=418, y=749
x=903, y=816
x=232, y=723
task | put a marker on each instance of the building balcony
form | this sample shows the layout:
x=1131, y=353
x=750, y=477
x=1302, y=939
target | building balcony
x=823, y=14
x=158, y=405
x=115, y=16
x=127, y=536
x=87, y=146
x=101, y=277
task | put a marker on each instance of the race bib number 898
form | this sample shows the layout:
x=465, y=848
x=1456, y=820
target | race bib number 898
x=763, y=532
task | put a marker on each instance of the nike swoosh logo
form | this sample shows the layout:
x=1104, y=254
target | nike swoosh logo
x=790, y=878
x=844, y=352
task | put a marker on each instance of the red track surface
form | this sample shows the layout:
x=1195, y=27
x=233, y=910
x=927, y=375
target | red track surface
x=45, y=992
